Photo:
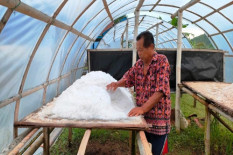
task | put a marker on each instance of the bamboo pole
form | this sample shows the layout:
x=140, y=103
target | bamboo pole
x=178, y=72
x=156, y=25
x=63, y=64
x=17, y=140
x=107, y=10
x=207, y=131
x=46, y=141
x=83, y=145
x=34, y=13
x=214, y=11
x=127, y=35
x=155, y=5
x=181, y=9
x=23, y=142
x=144, y=146
x=194, y=103
x=30, y=61
x=222, y=121
x=157, y=36
x=134, y=56
x=5, y=19
x=70, y=137
x=30, y=91
x=35, y=146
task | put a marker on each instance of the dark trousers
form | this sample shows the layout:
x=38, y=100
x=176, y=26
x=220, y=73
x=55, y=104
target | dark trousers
x=157, y=142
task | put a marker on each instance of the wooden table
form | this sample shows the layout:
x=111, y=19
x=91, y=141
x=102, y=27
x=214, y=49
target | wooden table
x=217, y=98
x=35, y=120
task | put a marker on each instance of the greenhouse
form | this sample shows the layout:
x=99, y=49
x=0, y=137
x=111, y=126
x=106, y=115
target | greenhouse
x=57, y=57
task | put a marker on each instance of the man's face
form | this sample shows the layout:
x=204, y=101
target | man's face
x=142, y=51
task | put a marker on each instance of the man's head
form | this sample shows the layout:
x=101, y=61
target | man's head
x=145, y=45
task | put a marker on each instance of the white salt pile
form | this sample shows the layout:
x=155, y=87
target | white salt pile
x=88, y=99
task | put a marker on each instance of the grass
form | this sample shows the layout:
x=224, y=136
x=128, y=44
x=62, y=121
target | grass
x=189, y=141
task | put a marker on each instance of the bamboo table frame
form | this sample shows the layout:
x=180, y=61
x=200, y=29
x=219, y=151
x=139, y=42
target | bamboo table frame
x=34, y=121
x=212, y=106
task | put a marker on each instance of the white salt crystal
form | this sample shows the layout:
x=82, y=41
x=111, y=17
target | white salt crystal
x=87, y=98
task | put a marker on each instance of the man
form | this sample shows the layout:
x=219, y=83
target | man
x=150, y=77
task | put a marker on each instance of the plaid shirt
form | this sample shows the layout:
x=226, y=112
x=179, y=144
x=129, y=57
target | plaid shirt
x=155, y=80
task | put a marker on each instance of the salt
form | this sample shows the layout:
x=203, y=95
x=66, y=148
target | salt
x=88, y=99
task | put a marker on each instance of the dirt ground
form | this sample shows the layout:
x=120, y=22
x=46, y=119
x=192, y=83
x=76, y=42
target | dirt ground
x=108, y=148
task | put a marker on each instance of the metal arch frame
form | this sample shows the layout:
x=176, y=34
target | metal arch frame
x=154, y=5
x=163, y=25
x=5, y=18
x=16, y=113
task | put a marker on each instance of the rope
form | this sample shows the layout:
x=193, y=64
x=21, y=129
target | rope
x=17, y=5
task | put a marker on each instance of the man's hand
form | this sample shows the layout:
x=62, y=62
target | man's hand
x=136, y=112
x=112, y=86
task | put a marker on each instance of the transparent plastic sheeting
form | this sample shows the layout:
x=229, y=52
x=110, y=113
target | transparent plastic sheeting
x=112, y=38
x=74, y=51
x=228, y=69
x=2, y=11
x=44, y=57
x=71, y=10
x=6, y=125
x=51, y=92
x=48, y=7
x=95, y=8
x=57, y=66
x=16, y=46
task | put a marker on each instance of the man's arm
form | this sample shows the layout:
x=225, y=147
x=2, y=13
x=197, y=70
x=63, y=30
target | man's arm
x=154, y=99
x=114, y=85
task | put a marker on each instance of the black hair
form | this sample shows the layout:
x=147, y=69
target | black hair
x=148, y=38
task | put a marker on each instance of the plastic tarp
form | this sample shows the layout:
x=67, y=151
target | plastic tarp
x=195, y=65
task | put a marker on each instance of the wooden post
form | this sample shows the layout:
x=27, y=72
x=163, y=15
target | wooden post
x=70, y=137
x=178, y=72
x=207, y=131
x=127, y=35
x=157, y=36
x=132, y=142
x=46, y=141
x=194, y=103
x=143, y=145
x=135, y=36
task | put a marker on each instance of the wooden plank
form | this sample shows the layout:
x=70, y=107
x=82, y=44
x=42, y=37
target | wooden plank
x=144, y=146
x=83, y=145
